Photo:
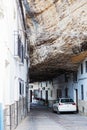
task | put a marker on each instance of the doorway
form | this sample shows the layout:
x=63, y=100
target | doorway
x=66, y=92
x=46, y=97
x=30, y=95
x=41, y=94
x=76, y=97
x=59, y=93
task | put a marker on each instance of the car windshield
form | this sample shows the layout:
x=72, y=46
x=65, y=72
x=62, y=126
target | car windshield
x=66, y=100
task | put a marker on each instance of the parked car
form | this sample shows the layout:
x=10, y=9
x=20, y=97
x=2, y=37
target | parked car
x=64, y=105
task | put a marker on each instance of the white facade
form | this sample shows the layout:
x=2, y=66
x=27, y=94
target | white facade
x=82, y=87
x=33, y=91
x=74, y=87
x=13, y=64
x=57, y=86
x=46, y=86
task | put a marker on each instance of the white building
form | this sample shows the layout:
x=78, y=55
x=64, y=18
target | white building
x=13, y=63
x=33, y=91
x=82, y=87
x=73, y=85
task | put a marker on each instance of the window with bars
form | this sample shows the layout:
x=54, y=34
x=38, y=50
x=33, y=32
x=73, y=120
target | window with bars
x=81, y=68
x=19, y=49
x=66, y=78
x=51, y=93
x=66, y=92
x=86, y=66
x=82, y=92
x=21, y=88
x=22, y=54
x=59, y=93
x=74, y=76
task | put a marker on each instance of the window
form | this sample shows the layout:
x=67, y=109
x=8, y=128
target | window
x=46, y=84
x=41, y=84
x=82, y=92
x=19, y=49
x=35, y=93
x=25, y=50
x=19, y=46
x=43, y=88
x=41, y=94
x=21, y=88
x=86, y=66
x=50, y=82
x=66, y=78
x=22, y=54
x=81, y=68
x=59, y=93
x=51, y=93
x=75, y=76
x=66, y=92
x=31, y=86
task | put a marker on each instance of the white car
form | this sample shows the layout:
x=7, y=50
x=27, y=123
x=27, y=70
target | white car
x=64, y=105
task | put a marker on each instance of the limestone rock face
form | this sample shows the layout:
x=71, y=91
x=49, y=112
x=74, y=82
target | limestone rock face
x=57, y=32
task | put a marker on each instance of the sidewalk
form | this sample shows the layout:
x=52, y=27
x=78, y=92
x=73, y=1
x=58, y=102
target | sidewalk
x=24, y=125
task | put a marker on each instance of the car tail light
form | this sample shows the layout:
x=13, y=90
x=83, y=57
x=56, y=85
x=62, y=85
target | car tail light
x=60, y=104
x=73, y=104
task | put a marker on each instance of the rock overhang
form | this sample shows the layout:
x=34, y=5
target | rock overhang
x=57, y=33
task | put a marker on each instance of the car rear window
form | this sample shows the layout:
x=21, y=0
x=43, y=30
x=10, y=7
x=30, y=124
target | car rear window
x=66, y=100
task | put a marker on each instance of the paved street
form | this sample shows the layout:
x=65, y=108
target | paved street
x=41, y=118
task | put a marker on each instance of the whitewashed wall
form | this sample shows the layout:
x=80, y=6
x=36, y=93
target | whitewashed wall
x=82, y=80
x=10, y=68
x=58, y=83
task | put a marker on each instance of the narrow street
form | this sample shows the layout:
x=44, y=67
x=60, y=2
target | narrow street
x=41, y=118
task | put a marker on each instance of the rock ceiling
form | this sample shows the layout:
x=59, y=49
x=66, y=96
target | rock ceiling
x=57, y=32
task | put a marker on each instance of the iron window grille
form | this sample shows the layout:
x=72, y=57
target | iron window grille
x=18, y=49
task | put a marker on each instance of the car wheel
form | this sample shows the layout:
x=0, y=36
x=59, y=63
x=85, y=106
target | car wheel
x=58, y=111
x=75, y=112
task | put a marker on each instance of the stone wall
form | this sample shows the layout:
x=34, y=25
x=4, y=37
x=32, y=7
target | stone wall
x=14, y=114
x=82, y=107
